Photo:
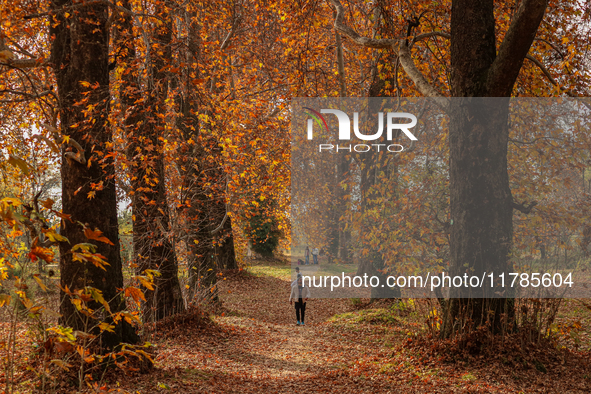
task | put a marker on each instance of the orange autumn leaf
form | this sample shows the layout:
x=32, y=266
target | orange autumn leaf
x=96, y=235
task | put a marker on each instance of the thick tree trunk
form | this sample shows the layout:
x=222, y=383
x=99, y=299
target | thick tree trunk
x=480, y=196
x=481, y=205
x=200, y=172
x=338, y=247
x=80, y=54
x=152, y=238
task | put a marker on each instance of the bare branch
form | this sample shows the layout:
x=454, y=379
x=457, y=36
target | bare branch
x=417, y=77
x=341, y=65
x=25, y=63
x=7, y=57
x=26, y=95
x=79, y=157
x=542, y=68
x=353, y=35
x=404, y=53
x=554, y=82
x=428, y=35
x=551, y=45
x=231, y=33
x=51, y=128
x=218, y=228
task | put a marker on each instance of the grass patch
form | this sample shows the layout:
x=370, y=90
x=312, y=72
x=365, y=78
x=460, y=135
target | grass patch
x=196, y=373
x=335, y=269
x=275, y=271
x=381, y=316
x=468, y=377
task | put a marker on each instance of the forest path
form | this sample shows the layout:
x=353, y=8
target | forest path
x=258, y=348
x=254, y=346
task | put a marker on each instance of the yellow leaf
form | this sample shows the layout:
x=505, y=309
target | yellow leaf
x=20, y=163
x=40, y=282
x=55, y=237
x=106, y=327
x=146, y=283
x=10, y=200
x=4, y=299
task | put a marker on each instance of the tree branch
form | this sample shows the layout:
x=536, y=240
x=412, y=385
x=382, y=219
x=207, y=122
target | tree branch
x=24, y=63
x=79, y=157
x=341, y=65
x=7, y=57
x=542, y=68
x=515, y=46
x=231, y=33
x=417, y=77
x=218, y=228
x=524, y=209
x=353, y=35
x=551, y=45
x=428, y=35
x=403, y=53
x=553, y=81
x=28, y=96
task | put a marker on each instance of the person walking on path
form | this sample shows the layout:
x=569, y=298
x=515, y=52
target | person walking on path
x=315, y=255
x=300, y=295
x=307, y=254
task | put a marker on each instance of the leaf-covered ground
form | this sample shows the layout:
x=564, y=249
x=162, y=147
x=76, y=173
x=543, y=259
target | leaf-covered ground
x=252, y=345
x=255, y=347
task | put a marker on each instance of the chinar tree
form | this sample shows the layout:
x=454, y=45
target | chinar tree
x=79, y=56
x=481, y=202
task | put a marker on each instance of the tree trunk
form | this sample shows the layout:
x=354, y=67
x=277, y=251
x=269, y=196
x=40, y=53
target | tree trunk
x=226, y=255
x=481, y=205
x=152, y=238
x=80, y=54
x=202, y=176
x=480, y=196
x=481, y=201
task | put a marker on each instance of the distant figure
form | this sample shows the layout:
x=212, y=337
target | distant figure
x=297, y=271
x=300, y=295
x=307, y=254
x=315, y=255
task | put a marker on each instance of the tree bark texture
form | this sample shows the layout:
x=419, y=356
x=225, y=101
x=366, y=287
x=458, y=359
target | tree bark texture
x=145, y=125
x=79, y=54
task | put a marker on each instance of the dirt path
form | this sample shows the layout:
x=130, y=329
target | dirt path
x=258, y=348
